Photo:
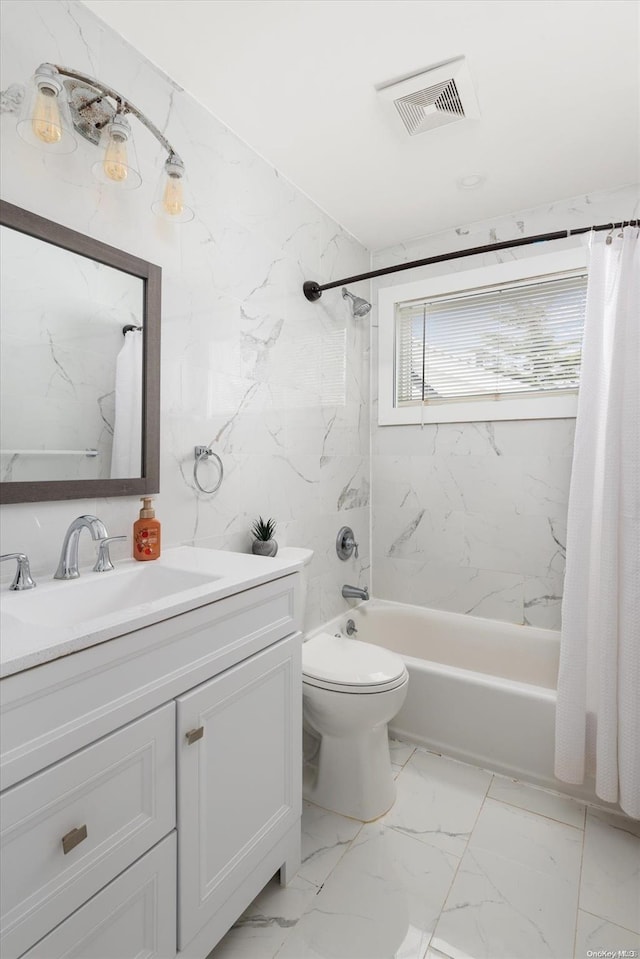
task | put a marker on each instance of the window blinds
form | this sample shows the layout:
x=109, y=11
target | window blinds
x=519, y=340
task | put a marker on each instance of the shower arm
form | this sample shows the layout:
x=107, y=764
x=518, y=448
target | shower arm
x=313, y=291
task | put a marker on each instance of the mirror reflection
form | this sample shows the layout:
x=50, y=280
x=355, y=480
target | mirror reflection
x=71, y=377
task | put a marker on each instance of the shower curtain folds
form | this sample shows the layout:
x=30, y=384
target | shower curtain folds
x=598, y=710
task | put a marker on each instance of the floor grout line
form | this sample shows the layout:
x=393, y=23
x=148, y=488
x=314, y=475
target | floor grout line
x=587, y=912
x=534, y=812
x=456, y=870
x=575, y=925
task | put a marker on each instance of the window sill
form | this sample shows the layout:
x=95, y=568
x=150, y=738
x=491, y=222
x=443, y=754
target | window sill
x=481, y=411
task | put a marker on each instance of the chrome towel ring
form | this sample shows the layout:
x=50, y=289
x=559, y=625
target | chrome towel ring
x=203, y=453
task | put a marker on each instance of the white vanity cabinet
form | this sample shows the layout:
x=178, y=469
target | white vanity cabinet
x=96, y=746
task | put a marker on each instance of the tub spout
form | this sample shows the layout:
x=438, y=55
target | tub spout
x=355, y=592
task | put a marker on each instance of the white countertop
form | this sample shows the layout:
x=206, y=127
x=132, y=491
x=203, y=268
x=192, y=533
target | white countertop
x=39, y=625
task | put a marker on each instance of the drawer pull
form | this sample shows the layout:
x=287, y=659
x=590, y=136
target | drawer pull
x=194, y=735
x=73, y=838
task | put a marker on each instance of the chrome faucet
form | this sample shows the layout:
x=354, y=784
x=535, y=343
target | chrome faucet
x=355, y=592
x=22, y=579
x=103, y=562
x=68, y=565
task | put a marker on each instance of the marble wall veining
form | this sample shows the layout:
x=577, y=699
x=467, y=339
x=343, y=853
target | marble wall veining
x=471, y=517
x=61, y=331
x=278, y=386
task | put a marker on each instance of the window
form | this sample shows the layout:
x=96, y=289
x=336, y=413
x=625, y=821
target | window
x=502, y=342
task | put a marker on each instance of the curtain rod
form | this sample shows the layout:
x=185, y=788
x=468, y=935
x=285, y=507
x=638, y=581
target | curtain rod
x=313, y=291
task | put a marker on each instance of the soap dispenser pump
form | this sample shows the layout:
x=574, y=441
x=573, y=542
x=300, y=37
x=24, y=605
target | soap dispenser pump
x=146, y=532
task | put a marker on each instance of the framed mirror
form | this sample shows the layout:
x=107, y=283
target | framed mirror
x=79, y=365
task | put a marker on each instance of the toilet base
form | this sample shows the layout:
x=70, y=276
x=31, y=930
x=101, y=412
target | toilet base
x=352, y=775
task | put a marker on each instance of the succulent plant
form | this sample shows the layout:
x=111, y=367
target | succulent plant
x=263, y=529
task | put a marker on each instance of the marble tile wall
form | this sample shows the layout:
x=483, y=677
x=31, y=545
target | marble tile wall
x=471, y=517
x=278, y=386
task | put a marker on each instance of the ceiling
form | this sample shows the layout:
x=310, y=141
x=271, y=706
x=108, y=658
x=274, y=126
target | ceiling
x=556, y=80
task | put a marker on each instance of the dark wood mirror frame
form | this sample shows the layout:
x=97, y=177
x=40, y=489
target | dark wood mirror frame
x=151, y=275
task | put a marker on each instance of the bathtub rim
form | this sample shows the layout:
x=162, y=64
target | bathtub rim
x=337, y=626
x=447, y=615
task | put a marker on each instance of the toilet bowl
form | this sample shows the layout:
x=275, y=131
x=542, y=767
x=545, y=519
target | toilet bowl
x=351, y=690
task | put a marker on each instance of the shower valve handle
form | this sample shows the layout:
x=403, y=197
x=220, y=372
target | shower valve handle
x=352, y=543
x=346, y=543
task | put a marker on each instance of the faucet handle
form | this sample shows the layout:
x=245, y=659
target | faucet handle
x=103, y=562
x=22, y=579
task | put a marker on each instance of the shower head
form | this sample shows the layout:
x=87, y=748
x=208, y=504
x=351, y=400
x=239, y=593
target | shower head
x=359, y=306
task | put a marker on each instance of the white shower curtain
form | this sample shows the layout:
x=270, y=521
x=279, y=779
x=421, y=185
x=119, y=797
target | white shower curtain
x=126, y=455
x=598, y=711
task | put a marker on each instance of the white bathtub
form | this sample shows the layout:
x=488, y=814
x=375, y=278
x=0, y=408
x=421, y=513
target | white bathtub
x=479, y=690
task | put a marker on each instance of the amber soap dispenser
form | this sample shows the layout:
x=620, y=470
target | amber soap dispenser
x=146, y=532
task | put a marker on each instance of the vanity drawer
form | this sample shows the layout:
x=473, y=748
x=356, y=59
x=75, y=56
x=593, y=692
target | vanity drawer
x=69, y=830
x=134, y=916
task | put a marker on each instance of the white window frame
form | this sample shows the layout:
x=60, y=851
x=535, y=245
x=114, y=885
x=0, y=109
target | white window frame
x=517, y=408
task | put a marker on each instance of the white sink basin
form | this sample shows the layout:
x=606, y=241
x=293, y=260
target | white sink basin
x=91, y=597
x=60, y=617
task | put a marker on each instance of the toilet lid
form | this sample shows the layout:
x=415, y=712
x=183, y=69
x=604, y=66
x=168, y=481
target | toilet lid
x=338, y=661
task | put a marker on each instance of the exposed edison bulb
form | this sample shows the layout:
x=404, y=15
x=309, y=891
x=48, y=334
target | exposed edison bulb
x=173, y=195
x=46, y=122
x=171, y=200
x=115, y=163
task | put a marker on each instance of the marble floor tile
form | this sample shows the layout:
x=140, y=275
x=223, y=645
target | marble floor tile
x=595, y=935
x=325, y=838
x=610, y=884
x=381, y=901
x=438, y=801
x=400, y=752
x=516, y=890
x=464, y=866
x=535, y=841
x=540, y=801
x=263, y=927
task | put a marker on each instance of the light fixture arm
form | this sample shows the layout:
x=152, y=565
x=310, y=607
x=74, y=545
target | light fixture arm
x=124, y=105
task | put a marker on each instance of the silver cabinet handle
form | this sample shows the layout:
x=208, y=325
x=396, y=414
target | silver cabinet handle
x=194, y=735
x=73, y=838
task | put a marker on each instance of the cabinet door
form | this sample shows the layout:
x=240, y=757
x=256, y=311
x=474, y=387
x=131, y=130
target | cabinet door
x=131, y=918
x=239, y=777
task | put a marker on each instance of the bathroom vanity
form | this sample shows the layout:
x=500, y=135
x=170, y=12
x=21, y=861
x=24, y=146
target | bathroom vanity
x=150, y=756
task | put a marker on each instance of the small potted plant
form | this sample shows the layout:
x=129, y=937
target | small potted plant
x=263, y=542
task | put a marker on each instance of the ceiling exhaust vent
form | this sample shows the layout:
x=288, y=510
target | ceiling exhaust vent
x=432, y=98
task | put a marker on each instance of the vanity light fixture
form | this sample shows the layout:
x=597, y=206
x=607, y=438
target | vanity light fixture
x=64, y=103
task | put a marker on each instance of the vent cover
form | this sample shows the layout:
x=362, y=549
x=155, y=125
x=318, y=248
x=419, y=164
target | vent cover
x=432, y=98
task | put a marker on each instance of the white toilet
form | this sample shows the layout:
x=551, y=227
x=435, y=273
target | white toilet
x=351, y=690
